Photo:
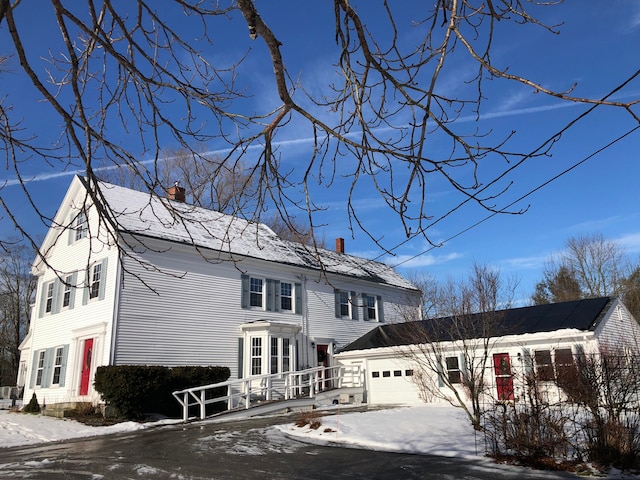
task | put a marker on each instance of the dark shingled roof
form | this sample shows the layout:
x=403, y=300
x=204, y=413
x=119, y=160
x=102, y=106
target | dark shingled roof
x=578, y=314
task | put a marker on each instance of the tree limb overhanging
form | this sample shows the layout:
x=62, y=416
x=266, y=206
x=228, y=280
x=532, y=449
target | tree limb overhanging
x=130, y=81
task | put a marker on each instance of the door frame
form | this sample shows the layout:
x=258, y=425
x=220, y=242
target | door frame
x=504, y=377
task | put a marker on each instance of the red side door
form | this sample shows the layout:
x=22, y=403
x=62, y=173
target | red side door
x=504, y=378
x=85, y=373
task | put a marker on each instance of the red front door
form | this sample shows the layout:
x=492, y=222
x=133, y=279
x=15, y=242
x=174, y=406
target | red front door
x=504, y=379
x=85, y=373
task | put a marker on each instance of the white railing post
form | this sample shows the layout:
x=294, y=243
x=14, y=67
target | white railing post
x=203, y=405
x=185, y=406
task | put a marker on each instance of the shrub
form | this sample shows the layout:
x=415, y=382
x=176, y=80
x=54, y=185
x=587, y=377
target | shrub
x=33, y=406
x=134, y=390
x=311, y=418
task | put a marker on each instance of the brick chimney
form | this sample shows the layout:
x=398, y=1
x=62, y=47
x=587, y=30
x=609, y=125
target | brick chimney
x=340, y=245
x=176, y=193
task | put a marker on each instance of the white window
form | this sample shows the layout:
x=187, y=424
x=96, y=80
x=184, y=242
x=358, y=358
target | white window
x=256, y=294
x=453, y=370
x=280, y=355
x=96, y=278
x=274, y=355
x=345, y=304
x=48, y=308
x=370, y=307
x=286, y=354
x=57, y=366
x=80, y=226
x=256, y=356
x=66, y=293
x=40, y=367
x=286, y=296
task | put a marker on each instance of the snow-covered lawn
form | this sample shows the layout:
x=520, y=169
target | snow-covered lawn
x=427, y=429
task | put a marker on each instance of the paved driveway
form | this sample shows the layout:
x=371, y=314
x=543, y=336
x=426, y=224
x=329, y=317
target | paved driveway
x=248, y=449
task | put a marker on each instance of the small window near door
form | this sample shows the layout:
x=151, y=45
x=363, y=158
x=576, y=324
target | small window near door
x=453, y=370
x=57, y=366
x=544, y=367
x=286, y=355
x=40, y=368
x=274, y=355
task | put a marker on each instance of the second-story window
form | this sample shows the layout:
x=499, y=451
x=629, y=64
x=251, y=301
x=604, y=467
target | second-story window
x=286, y=296
x=66, y=294
x=49, y=298
x=256, y=295
x=96, y=278
x=370, y=309
x=345, y=307
x=270, y=294
x=345, y=304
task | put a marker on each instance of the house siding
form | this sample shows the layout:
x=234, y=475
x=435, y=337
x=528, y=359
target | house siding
x=194, y=314
x=618, y=330
x=161, y=302
x=68, y=327
x=392, y=389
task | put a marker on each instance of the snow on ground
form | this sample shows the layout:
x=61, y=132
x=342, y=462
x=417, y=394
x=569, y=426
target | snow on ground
x=427, y=429
x=438, y=430
x=28, y=429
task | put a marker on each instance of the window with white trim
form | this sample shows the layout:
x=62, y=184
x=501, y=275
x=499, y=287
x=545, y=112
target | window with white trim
x=66, y=293
x=96, y=278
x=345, y=304
x=57, y=366
x=256, y=294
x=80, y=226
x=48, y=308
x=453, y=370
x=40, y=367
x=256, y=356
x=270, y=294
x=370, y=307
x=286, y=296
x=274, y=355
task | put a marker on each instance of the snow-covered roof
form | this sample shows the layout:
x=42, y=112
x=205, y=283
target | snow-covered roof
x=147, y=214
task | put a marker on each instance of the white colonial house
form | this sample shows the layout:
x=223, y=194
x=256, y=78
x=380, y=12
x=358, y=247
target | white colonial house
x=142, y=285
x=542, y=338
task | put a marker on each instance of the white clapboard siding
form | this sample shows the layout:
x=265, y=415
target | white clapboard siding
x=618, y=330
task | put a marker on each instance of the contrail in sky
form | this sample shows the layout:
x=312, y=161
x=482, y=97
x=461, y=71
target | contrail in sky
x=42, y=177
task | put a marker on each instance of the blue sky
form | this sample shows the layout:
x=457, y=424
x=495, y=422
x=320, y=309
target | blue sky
x=596, y=49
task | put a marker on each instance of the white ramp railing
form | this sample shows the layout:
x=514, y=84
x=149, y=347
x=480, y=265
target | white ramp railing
x=249, y=391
